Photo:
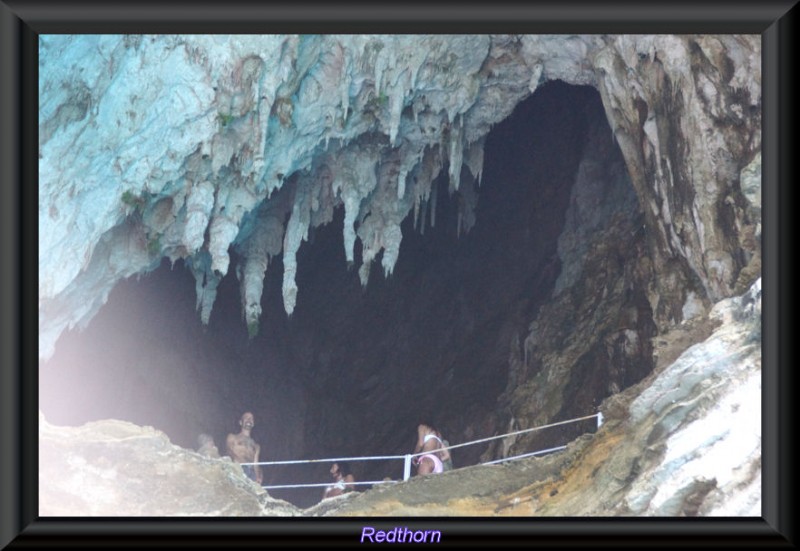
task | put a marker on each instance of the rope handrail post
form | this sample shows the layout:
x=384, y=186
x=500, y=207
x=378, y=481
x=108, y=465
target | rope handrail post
x=407, y=467
x=599, y=419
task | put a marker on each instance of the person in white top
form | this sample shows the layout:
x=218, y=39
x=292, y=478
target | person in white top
x=430, y=440
x=342, y=475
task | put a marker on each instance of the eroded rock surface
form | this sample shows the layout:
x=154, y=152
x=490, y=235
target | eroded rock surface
x=154, y=146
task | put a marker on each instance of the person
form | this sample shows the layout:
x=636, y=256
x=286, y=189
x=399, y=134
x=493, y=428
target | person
x=343, y=476
x=430, y=440
x=207, y=446
x=243, y=449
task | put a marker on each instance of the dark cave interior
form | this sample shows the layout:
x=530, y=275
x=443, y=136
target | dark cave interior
x=354, y=370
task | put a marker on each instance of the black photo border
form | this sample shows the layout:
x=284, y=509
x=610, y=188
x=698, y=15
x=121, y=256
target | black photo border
x=22, y=21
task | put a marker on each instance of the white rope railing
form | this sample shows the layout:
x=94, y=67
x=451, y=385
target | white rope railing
x=327, y=460
x=503, y=460
x=326, y=484
x=523, y=431
x=407, y=458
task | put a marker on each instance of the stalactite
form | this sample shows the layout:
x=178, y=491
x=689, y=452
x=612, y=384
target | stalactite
x=296, y=233
x=354, y=178
x=468, y=200
x=456, y=153
x=265, y=242
x=206, y=281
x=392, y=237
x=199, y=203
x=474, y=159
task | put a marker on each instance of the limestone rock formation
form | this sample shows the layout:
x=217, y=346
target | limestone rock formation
x=178, y=146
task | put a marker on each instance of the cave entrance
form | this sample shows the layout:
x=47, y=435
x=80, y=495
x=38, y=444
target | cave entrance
x=354, y=370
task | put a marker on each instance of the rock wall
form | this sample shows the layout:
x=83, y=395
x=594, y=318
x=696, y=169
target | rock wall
x=592, y=336
x=686, y=113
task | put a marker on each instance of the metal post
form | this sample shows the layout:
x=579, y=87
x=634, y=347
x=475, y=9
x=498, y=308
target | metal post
x=407, y=467
x=599, y=419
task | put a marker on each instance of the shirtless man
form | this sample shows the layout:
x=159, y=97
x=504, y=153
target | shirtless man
x=429, y=439
x=243, y=449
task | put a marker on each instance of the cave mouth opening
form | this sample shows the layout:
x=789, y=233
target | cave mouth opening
x=354, y=370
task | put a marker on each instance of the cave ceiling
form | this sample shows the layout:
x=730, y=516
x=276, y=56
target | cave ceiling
x=199, y=147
